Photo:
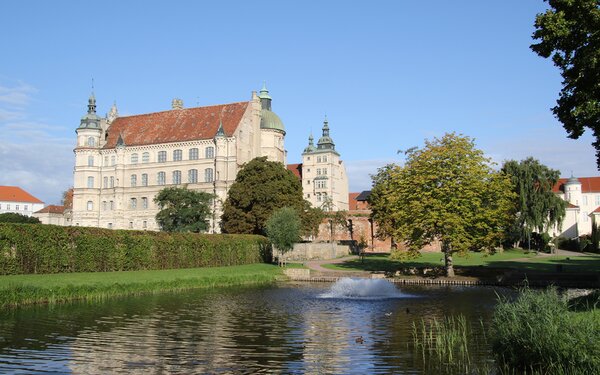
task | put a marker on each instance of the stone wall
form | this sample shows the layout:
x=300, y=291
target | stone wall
x=313, y=251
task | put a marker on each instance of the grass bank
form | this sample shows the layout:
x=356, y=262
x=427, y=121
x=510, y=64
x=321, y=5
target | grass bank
x=16, y=290
x=514, y=259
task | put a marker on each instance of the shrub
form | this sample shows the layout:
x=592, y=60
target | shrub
x=538, y=333
x=27, y=249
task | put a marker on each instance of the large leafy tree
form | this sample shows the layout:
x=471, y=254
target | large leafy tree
x=283, y=229
x=446, y=191
x=12, y=217
x=260, y=188
x=183, y=210
x=537, y=208
x=569, y=32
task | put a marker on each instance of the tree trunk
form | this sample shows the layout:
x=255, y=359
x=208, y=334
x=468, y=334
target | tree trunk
x=447, y=249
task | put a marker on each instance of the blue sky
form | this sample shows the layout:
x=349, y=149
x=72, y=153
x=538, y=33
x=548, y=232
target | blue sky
x=388, y=74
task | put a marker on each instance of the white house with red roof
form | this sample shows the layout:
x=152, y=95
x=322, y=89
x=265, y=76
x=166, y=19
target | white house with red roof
x=583, y=197
x=121, y=163
x=16, y=200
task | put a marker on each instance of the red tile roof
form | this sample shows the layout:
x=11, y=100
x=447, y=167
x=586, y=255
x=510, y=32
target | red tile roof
x=296, y=168
x=16, y=194
x=51, y=209
x=176, y=125
x=597, y=210
x=352, y=202
x=588, y=185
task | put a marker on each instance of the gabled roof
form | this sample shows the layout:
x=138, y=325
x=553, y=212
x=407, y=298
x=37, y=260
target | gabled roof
x=16, y=194
x=51, y=209
x=588, y=185
x=296, y=168
x=177, y=125
x=364, y=196
x=352, y=203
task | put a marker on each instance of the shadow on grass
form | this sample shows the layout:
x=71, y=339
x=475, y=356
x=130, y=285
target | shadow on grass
x=582, y=264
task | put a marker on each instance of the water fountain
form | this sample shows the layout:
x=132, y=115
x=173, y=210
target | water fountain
x=352, y=288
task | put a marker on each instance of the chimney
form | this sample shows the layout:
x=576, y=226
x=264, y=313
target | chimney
x=177, y=104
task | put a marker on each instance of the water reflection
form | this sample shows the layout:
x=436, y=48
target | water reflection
x=283, y=329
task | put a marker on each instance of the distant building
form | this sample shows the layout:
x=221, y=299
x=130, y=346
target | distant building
x=583, y=197
x=323, y=174
x=55, y=215
x=121, y=163
x=16, y=200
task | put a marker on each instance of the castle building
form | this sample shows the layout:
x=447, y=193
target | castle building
x=323, y=174
x=583, y=205
x=121, y=163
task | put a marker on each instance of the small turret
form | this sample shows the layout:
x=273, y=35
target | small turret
x=265, y=98
x=311, y=145
x=91, y=120
x=325, y=142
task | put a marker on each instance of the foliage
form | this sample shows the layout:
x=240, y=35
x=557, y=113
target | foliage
x=595, y=238
x=446, y=191
x=537, y=208
x=260, y=188
x=337, y=219
x=12, y=217
x=311, y=218
x=27, y=249
x=538, y=333
x=67, y=199
x=283, y=229
x=183, y=210
x=569, y=32
x=17, y=290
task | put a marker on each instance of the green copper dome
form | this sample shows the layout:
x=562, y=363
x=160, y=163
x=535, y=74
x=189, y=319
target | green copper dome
x=269, y=120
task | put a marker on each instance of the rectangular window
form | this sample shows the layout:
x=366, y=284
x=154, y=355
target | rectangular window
x=109, y=225
x=112, y=205
x=131, y=225
x=193, y=176
x=134, y=158
x=324, y=159
x=144, y=203
x=90, y=182
x=103, y=205
x=144, y=179
x=176, y=177
x=318, y=159
x=105, y=179
x=112, y=182
x=208, y=175
x=318, y=197
x=90, y=205
x=113, y=160
x=8, y=206
x=318, y=171
x=177, y=155
x=144, y=224
x=162, y=156
x=209, y=152
x=160, y=178
x=585, y=201
x=90, y=161
x=193, y=154
x=26, y=207
x=133, y=203
x=146, y=157
x=324, y=171
x=133, y=180
x=106, y=161
x=17, y=207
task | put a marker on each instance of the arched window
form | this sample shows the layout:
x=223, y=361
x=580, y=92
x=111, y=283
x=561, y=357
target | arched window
x=134, y=158
x=193, y=176
x=193, y=154
x=162, y=156
x=133, y=180
x=208, y=175
x=144, y=179
x=209, y=152
x=90, y=205
x=176, y=177
x=177, y=155
x=160, y=178
x=146, y=157
x=90, y=182
x=90, y=161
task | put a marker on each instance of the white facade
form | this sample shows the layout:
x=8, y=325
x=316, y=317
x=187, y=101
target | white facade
x=16, y=200
x=121, y=163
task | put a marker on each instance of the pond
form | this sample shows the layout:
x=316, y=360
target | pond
x=286, y=328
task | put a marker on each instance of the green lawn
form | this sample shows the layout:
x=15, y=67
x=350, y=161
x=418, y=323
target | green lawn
x=50, y=288
x=513, y=258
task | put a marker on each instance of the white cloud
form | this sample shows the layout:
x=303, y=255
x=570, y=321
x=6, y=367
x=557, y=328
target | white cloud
x=32, y=156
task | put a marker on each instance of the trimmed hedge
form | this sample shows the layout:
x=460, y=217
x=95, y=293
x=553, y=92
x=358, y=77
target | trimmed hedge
x=37, y=249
